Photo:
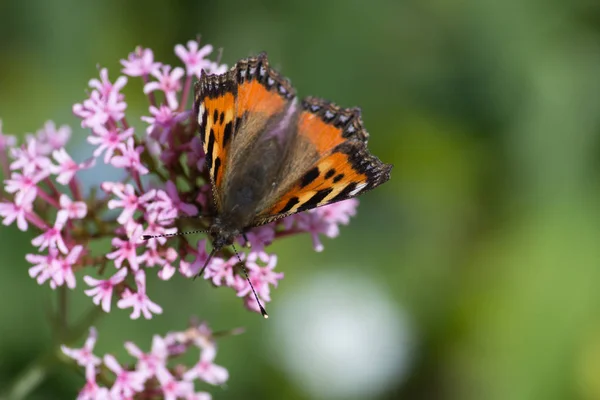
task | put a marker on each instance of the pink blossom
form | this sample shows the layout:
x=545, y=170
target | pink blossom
x=108, y=140
x=168, y=81
x=130, y=157
x=161, y=122
x=259, y=237
x=44, y=265
x=129, y=201
x=105, y=86
x=66, y=167
x=84, y=355
x=52, y=237
x=12, y=212
x=91, y=390
x=127, y=382
x=72, y=209
x=49, y=138
x=155, y=359
x=139, y=63
x=195, y=60
x=325, y=220
x=191, y=269
x=98, y=110
x=103, y=289
x=261, y=277
x=23, y=184
x=206, y=370
x=140, y=302
x=127, y=249
x=63, y=268
x=220, y=272
x=171, y=388
x=199, y=396
x=156, y=228
x=168, y=203
x=218, y=69
x=28, y=158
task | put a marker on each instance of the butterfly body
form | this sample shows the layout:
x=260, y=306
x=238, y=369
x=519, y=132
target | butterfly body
x=270, y=155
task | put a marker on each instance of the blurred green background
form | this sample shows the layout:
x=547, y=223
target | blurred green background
x=472, y=274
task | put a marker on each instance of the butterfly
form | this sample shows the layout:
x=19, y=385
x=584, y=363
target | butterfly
x=270, y=156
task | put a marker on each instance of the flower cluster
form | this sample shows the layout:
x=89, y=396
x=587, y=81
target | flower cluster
x=151, y=376
x=164, y=180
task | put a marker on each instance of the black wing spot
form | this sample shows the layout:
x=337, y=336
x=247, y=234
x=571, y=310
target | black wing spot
x=309, y=177
x=215, y=116
x=210, y=148
x=338, y=178
x=330, y=173
x=227, y=133
x=315, y=200
x=344, y=194
x=291, y=203
x=221, y=118
x=217, y=166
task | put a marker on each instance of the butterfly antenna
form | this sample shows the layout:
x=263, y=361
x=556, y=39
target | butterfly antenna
x=262, y=309
x=147, y=237
x=210, y=256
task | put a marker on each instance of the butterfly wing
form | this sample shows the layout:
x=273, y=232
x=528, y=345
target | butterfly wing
x=339, y=166
x=233, y=110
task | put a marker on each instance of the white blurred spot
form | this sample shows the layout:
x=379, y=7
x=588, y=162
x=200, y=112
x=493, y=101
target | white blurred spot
x=340, y=336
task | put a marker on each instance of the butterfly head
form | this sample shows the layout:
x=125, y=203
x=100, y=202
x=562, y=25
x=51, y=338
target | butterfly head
x=222, y=235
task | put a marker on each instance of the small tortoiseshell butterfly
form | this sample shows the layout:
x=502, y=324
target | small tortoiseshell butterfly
x=269, y=157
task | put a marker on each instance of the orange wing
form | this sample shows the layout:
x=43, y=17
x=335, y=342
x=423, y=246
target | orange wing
x=345, y=167
x=236, y=106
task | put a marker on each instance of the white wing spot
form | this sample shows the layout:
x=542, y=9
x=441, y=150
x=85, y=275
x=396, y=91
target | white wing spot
x=358, y=189
x=200, y=113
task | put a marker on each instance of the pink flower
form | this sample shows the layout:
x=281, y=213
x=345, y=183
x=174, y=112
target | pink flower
x=23, y=184
x=66, y=167
x=98, y=110
x=129, y=201
x=219, y=271
x=108, y=140
x=127, y=382
x=218, y=69
x=325, y=220
x=195, y=60
x=127, y=249
x=139, y=300
x=91, y=390
x=259, y=237
x=12, y=212
x=44, y=265
x=161, y=122
x=130, y=157
x=261, y=277
x=84, y=355
x=49, y=138
x=169, y=82
x=52, y=237
x=105, y=86
x=103, y=289
x=200, y=255
x=28, y=158
x=139, y=63
x=63, y=268
x=72, y=209
x=206, y=370
x=149, y=363
x=171, y=388
x=156, y=228
x=168, y=203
